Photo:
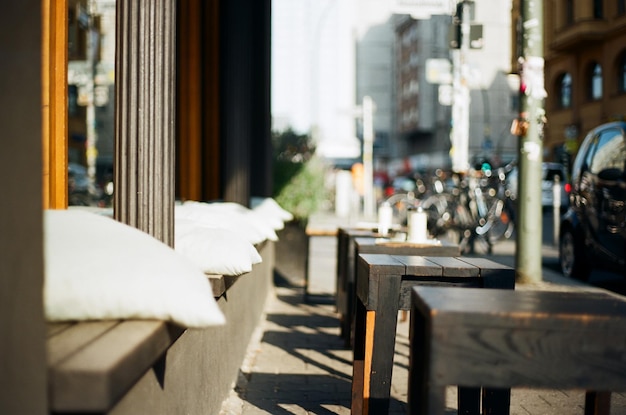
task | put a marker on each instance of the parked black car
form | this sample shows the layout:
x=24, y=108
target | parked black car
x=593, y=230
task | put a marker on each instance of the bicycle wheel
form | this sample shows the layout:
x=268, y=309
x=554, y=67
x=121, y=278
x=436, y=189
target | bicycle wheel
x=499, y=223
x=438, y=210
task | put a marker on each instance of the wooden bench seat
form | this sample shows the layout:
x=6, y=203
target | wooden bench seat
x=221, y=283
x=151, y=366
x=92, y=364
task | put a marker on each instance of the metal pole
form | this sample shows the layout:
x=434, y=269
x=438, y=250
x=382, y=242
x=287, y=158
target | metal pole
x=90, y=110
x=460, y=105
x=369, y=204
x=530, y=131
x=556, y=210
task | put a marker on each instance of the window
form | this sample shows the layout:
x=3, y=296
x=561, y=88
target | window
x=598, y=9
x=621, y=72
x=621, y=7
x=595, y=82
x=569, y=11
x=564, y=88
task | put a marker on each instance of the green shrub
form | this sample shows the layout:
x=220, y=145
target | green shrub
x=304, y=191
x=298, y=175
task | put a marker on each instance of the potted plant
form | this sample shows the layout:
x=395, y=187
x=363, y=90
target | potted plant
x=298, y=188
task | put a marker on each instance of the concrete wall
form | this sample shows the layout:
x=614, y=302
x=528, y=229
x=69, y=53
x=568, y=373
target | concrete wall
x=199, y=370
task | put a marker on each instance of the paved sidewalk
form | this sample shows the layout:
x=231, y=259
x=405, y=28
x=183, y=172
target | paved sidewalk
x=297, y=364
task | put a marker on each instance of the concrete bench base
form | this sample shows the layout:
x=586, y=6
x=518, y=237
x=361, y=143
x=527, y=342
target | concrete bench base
x=152, y=367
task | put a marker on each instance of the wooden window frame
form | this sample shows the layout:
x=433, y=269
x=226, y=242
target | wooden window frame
x=54, y=103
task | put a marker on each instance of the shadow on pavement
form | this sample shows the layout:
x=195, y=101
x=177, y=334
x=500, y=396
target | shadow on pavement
x=311, y=369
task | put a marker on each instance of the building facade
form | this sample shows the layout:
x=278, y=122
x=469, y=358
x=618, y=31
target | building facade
x=427, y=64
x=585, y=70
x=192, y=121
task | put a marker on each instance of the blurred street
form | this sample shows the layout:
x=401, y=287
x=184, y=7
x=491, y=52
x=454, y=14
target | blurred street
x=297, y=363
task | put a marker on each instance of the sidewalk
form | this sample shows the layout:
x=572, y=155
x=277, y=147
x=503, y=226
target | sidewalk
x=297, y=364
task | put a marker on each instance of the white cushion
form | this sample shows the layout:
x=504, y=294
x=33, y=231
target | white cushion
x=230, y=216
x=215, y=251
x=97, y=268
x=271, y=211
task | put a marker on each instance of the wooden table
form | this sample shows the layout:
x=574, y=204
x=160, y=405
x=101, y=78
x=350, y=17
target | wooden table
x=355, y=242
x=504, y=339
x=383, y=287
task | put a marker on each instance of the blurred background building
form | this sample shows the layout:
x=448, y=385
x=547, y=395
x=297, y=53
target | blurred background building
x=585, y=70
x=327, y=56
x=400, y=55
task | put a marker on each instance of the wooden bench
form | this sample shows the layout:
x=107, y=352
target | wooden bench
x=142, y=366
x=91, y=365
x=383, y=287
x=505, y=339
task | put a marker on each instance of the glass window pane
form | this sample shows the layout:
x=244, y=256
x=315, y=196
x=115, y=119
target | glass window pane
x=566, y=91
x=596, y=82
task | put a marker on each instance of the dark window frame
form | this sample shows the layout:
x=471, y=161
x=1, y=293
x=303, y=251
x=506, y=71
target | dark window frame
x=621, y=72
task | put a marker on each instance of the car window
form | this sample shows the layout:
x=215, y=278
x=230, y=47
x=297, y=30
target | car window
x=593, y=145
x=551, y=174
x=584, y=157
x=610, y=152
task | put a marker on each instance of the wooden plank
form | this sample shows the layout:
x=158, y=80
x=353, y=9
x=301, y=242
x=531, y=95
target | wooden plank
x=454, y=267
x=95, y=377
x=378, y=246
x=420, y=266
x=536, y=339
x=493, y=274
x=68, y=339
x=55, y=328
x=382, y=260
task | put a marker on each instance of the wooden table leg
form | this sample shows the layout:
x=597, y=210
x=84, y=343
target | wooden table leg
x=597, y=403
x=382, y=349
x=423, y=398
x=373, y=355
x=468, y=401
x=348, y=324
x=306, y=268
x=358, y=361
x=496, y=401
